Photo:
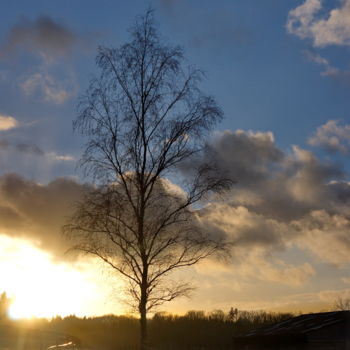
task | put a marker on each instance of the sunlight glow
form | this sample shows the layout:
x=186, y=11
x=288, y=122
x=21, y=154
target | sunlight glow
x=41, y=287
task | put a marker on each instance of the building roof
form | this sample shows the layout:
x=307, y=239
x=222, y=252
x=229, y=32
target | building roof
x=303, y=323
x=294, y=329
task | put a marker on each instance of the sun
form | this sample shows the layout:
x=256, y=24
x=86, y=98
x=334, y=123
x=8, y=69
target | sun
x=41, y=287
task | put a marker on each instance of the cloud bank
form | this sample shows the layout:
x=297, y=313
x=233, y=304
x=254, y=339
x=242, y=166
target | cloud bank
x=37, y=212
x=281, y=200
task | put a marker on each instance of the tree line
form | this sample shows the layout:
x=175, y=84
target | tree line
x=193, y=330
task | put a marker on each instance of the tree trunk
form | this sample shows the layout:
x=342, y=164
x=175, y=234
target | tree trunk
x=143, y=332
x=143, y=326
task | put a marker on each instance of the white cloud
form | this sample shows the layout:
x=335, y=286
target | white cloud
x=332, y=28
x=332, y=137
x=60, y=157
x=7, y=122
x=301, y=18
x=46, y=85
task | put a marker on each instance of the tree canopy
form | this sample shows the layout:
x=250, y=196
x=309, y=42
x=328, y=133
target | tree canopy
x=143, y=116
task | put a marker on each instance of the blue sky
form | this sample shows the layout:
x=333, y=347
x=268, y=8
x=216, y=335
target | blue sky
x=280, y=72
x=258, y=72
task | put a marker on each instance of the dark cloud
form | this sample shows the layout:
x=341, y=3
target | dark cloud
x=4, y=144
x=269, y=181
x=43, y=35
x=244, y=157
x=340, y=191
x=32, y=149
x=279, y=198
x=37, y=212
x=29, y=148
x=10, y=219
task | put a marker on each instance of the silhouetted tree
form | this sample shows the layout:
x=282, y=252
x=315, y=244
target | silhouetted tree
x=5, y=303
x=232, y=314
x=342, y=304
x=143, y=116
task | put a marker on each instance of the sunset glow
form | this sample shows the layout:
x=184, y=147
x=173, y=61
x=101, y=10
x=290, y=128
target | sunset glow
x=251, y=156
x=41, y=287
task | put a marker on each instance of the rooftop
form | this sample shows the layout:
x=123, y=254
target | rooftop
x=302, y=324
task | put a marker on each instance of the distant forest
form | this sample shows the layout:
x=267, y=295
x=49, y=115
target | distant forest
x=196, y=330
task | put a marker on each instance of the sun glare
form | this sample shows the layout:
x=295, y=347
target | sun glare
x=40, y=287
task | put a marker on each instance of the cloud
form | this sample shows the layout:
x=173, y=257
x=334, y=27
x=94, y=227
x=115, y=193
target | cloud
x=332, y=296
x=339, y=75
x=244, y=156
x=281, y=185
x=32, y=149
x=288, y=274
x=50, y=45
x=43, y=35
x=323, y=27
x=29, y=148
x=33, y=211
x=33, y=161
x=52, y=90
x=243, y=228
x=346, y=280
x=316, y=58
x=61, y=157
x=26, y=148
x=332, y=137
x=326, y=236
x=7, y=122
x=255, y=238
x=4, y=144
x=281, y=200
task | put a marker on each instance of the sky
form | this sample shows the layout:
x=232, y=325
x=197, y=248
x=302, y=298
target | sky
x=280, y=71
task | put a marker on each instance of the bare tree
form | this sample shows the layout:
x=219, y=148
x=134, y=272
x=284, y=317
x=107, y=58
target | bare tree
x=5, y=303
x=143, y=117
x=342, y=304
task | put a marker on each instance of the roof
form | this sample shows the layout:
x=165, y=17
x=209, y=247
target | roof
x=295, y=328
